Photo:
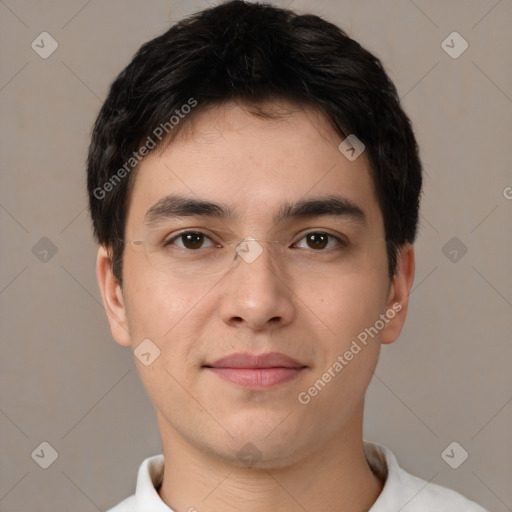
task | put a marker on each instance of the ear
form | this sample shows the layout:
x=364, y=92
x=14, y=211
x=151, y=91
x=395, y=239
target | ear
x=113, y=299
x=400, y=290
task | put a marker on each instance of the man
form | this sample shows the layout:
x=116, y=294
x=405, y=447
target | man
x=254, y=187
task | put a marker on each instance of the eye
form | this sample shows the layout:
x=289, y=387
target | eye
x=319, y=240
x=191, y=240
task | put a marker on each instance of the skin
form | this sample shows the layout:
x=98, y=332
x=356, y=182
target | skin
x=310, y=457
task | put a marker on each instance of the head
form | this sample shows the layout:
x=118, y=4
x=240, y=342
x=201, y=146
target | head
x=242, y=109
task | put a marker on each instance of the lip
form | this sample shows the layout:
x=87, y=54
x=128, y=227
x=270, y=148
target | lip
x=246, y=360
x=256, y=371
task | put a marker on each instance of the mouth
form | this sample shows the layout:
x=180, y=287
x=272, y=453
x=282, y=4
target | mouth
x=256, y=371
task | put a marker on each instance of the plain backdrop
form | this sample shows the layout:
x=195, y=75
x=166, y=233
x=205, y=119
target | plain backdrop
x=64, y=381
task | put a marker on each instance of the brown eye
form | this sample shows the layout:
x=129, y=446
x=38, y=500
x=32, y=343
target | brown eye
x=317, y=240
x=192, y=240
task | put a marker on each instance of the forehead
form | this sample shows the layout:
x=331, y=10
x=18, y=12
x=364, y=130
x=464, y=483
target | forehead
x=254, y=164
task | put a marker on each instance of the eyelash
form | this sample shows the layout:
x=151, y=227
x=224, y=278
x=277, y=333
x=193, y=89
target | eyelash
x=170, y=241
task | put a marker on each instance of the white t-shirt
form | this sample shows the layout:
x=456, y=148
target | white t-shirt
x=401, y=491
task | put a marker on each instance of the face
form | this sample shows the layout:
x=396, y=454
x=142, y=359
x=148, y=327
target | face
x=276, y=344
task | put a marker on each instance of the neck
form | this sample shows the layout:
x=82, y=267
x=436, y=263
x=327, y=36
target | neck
x=336, y=477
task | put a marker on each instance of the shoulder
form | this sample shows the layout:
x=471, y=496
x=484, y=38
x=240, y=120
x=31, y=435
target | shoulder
x=146, y=495
x=127, y=505
x=408, y=493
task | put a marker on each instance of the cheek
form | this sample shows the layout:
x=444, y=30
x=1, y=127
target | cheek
x=156, y=306
x=160, y=313
x=171, y=317
x=350, y=307
x=348, y=303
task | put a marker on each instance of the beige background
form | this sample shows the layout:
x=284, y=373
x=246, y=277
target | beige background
x=66, y=382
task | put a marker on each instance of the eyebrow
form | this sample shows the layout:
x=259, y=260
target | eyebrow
x=175, y=206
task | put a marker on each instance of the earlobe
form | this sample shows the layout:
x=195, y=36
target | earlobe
x=112, y=296
x=400, y=290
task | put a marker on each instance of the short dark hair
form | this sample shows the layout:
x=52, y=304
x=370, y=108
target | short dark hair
x=252, y=53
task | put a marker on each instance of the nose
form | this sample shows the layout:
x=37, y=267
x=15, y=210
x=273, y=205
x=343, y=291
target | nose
x=258, y=292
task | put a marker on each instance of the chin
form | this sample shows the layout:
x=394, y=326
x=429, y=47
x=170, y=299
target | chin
x=264, y=441
x=260, y=453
